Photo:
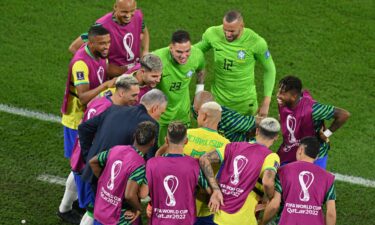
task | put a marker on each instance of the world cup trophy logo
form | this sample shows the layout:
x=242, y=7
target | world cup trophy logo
x=306, y=178
x=239, y=164
x=128, y=44
x=291, y=124
x=100, y=74
x=115, y=170
x=170, y=186
x=91, y=113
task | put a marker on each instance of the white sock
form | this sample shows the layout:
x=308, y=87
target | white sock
x=70, y=194
x=87, y=220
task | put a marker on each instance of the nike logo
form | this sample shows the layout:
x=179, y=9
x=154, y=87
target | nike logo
x=218, y=50
x=165, y=75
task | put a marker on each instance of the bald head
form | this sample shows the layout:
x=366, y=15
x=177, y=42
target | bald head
x=209, y=115
x=201, y=98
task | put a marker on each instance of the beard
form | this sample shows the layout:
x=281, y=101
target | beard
x=98, y=54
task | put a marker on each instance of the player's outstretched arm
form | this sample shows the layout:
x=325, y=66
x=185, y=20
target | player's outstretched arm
x=271, y=209
x=331, y=212
x=75, y=45
x=205, y=161
x=145, y=42
x=85, y=95
x=131, y=196
x=95, y=166
x=268, y=181
x=341, y=116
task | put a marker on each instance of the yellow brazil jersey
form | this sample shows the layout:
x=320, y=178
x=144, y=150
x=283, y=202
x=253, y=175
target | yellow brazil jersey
x=107, y=92
x=200, y=141
x=75, y=110
x=246, y=215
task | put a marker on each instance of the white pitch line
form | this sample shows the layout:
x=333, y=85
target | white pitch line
x=340, y=177
x=354, y=180
x=59, y=180
x=30, y=114
x=52, y=179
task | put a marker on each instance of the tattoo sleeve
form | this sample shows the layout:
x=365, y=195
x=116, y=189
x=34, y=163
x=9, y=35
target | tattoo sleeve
x=205, y=164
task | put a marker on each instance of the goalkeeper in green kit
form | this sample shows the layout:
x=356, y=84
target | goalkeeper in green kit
x=236, y=49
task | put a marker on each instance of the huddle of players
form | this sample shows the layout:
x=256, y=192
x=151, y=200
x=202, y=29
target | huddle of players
x=232, y=177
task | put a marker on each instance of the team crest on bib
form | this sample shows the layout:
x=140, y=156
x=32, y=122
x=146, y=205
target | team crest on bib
x=189, y=74
x=241, y=54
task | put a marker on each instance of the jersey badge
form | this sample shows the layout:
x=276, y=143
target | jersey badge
x=189, y=74
x=80, y=75
x=267, y=54
x=241, y=54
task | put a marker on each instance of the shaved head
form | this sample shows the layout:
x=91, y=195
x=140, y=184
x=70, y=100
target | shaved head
x=124, y=10
x=209, y=115
x=232, y=16
x=232, y=25
x=201, y=98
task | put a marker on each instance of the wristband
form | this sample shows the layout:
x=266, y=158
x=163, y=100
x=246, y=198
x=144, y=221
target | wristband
x=199, y=87
x=327, y=133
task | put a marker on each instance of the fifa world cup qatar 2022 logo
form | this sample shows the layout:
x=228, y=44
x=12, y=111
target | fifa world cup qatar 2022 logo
x=291, y=124
x=239, y=164
x=128, y=44
x=115, y=171
x=170, y=186
x=305, y=178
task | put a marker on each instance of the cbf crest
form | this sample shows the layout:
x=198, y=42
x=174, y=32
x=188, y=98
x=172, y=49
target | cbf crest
x=189, y=73
x=241, y=54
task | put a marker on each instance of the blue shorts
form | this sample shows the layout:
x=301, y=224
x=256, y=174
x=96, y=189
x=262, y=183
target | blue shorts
x=322, y=162
x=97, y=222
x=209, y=220
x=70, y=136
x=84, y=192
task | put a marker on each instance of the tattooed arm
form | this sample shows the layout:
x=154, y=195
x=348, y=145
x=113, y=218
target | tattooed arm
x=205, y=162
x=268, y=181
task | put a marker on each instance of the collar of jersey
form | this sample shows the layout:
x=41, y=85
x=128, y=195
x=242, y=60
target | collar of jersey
x=89, y=52
x=139, y=152
x=209, y=129
x=173, y=155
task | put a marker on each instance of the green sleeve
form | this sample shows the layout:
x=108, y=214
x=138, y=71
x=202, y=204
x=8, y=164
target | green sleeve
x=204, y=45
x=143, y=25
x=139, y=175
x=202, y=182
x=102, y=158
x=322, y=112
x=85, y=37
x=263, y=55
x=331, y=194
x=236, y=122
x=193, y=113
x=201, y=60
x=278, y=187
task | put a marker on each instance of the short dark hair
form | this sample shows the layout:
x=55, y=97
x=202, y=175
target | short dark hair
x=176, y=132
x=311, y=146
x=145, y=133
x=180, y=36
x=291, y=83
x=232, y=16
x=97, y=30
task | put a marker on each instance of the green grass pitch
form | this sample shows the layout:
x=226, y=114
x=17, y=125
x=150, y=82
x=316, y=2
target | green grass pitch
x=329, y=44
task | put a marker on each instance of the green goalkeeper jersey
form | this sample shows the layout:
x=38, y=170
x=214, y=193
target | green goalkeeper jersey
x=175, y=82
x=233, y=84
